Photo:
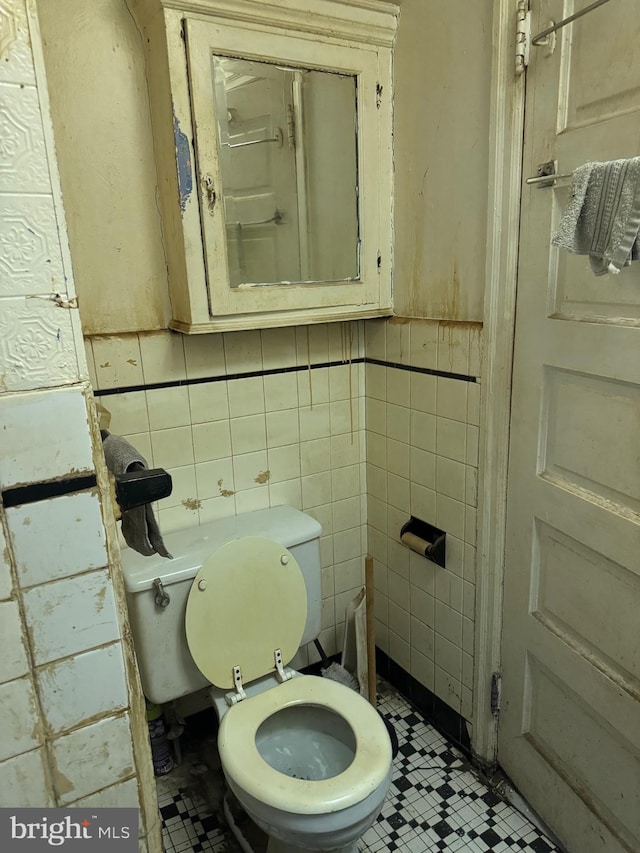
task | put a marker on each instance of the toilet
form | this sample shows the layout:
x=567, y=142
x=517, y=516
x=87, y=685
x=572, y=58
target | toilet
x=307, y=758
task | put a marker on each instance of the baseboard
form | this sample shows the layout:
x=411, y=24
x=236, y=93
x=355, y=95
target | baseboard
x=448, y=722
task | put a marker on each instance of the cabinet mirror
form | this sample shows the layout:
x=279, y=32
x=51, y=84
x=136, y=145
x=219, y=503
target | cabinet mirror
x=288, y=170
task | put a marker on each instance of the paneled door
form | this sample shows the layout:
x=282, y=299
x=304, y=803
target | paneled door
x=569, y=732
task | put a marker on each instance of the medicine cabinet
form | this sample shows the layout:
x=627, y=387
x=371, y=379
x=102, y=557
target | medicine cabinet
x=272, y=138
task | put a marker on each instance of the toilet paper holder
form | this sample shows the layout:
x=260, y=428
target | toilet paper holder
x=425, y=539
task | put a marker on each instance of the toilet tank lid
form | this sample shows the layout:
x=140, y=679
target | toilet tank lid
x=192, y=546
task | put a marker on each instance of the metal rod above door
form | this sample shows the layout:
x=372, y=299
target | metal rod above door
x=539, y=39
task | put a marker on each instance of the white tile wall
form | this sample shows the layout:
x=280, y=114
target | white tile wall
x=243, y=351
x=162, y=357
x=120, y=796
x=299, y=438
x=6, y=581
x=313, y=387
x=14, y=658
x=131, y=411
x=204, y=356
x=68, y=616
x=24, y=781
x=21, y=729
x=422, y=439
x=59, y=522
x=118, y=362
x=246, y=443
x=27, y=457
x=168, y=407
x=278, y=348
x=281, y=391
x=92, y=757
x=71, y=693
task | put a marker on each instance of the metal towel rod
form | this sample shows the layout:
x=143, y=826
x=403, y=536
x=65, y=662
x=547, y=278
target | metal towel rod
x=276, y=219
x=277, y=137
x=547, y=175
x=539, y=39
x=546, y=180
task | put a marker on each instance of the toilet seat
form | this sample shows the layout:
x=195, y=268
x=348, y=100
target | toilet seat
x=245, y=767
x=248, y=600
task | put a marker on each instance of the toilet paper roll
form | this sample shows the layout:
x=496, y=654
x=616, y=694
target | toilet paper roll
x=416, y=543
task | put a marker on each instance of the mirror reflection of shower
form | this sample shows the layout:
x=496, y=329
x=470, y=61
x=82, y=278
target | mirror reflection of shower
x=288, y=155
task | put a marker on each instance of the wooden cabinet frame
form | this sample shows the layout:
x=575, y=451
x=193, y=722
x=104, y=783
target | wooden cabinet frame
x=349, y=36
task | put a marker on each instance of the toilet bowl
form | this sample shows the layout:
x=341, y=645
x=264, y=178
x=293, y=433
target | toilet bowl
x=307, y=758
x=309, y=761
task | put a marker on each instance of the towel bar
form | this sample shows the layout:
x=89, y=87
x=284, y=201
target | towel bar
x=543, y=181
x=277, y=137
x=547, y=175
x=539, y=39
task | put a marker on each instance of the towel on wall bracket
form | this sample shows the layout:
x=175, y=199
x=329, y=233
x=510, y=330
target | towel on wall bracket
x=136, y=487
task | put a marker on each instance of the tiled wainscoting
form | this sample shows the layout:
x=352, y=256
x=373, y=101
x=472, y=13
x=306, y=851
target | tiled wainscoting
x=422, y=416
x=247, y=420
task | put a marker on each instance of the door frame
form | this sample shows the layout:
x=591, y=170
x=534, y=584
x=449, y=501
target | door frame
x=506, y=141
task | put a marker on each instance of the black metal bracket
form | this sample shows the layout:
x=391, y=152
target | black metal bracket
x=135, y=488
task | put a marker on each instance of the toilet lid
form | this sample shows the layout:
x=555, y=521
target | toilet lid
x=248, y=599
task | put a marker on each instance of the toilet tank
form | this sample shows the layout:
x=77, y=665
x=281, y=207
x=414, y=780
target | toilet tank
x=166, y=668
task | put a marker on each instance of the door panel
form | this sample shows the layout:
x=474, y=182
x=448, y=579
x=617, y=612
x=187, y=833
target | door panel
x=569, y=583
x=569, y=733
x=601, y=64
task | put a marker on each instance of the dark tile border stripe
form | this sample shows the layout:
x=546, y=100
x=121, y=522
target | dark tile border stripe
x=447, y=721
x=225, y=377
x=35, y=492
x=462, y=377
x=250, y=374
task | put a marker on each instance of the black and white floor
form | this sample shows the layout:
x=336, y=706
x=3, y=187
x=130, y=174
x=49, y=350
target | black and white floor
x=436, y=801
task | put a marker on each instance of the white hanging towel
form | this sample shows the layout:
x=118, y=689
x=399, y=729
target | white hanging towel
x=602, y=218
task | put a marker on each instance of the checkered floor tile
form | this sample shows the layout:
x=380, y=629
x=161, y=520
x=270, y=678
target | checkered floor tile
x=186, y=827
x=436, y=803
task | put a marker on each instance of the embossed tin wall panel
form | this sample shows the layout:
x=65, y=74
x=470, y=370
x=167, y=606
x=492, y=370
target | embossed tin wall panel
x=37, y=345
x=15, y=47
x=30, y=259
x=38, y=338
x=23, y=157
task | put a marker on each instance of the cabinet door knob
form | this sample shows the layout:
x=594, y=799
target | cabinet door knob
x=207, y=183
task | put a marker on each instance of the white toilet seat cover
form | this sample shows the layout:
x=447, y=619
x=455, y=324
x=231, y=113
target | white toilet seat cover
x=248, y=599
